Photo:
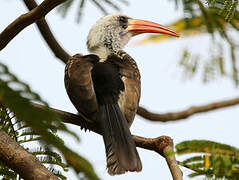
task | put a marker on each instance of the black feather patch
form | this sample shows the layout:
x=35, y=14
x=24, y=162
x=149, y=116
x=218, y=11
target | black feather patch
x=107, y=82
x=121, y=152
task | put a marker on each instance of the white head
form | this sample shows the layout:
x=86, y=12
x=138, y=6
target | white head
x=112, y=32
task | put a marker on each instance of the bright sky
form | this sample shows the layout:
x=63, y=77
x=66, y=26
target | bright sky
x=163, y=89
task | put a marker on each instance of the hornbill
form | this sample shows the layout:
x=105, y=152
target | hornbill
x=105, y=86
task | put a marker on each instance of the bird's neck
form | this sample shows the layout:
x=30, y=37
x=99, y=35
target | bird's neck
x=103, y=52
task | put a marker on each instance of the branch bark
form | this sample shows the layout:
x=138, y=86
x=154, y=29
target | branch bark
x=26, y=19
x=21, y=161
x=163, y=145
x=174, y=116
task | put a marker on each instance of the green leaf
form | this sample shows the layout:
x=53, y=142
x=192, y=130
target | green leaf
x=43, y=121
x=217, y=160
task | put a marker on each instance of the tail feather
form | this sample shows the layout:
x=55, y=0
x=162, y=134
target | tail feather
x=121, y=152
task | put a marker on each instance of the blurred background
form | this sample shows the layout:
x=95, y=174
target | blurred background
x=198, y=68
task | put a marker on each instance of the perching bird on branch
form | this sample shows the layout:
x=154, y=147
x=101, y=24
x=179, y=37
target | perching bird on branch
x=105, y=86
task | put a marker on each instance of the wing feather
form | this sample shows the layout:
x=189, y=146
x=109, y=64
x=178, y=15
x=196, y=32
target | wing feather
x=79, y=85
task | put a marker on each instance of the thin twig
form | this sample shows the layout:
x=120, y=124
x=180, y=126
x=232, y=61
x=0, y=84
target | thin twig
x=26, y=19
x=175, y=116
x=47, y=34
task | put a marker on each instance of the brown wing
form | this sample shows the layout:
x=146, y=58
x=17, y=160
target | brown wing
x=129, y=99
x=79, y=85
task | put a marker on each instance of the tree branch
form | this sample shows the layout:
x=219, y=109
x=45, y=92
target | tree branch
x=21, y=161
x=46, y=33
x=25, y=20
x=163, y=145
x=174, y=116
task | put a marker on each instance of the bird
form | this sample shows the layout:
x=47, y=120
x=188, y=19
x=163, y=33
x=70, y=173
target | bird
x=105, y=86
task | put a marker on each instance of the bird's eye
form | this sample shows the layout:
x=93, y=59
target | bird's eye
x=123, y=21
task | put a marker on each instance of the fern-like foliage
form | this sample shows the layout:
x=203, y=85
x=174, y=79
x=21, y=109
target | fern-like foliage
x=212, y=68
x=193, y=7
x=189, y=62
x=24, y=134
x=6, y=173
x=216, y=160
x=202, y=18
x=27, y=123
x=228, y=7
x=100, y=4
